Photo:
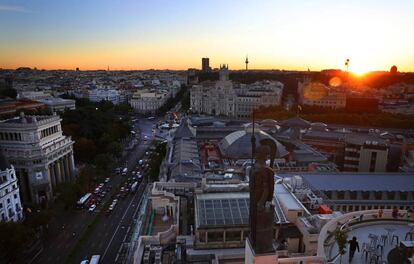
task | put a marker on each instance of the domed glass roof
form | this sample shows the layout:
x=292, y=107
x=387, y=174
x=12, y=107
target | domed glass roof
x=237, y=145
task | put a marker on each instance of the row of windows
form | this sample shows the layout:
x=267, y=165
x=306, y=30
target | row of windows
x=366, y=195
x=350, y=208
x=10, y=136
x=15, y=196
x=6, y=191
x=49, y=131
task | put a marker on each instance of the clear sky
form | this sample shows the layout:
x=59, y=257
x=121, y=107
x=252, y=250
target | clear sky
x=138, y=34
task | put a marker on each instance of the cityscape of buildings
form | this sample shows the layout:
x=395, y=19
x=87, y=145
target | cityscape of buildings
x=206, y=132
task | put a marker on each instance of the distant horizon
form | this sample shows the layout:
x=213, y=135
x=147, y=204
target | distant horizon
x=199, y=69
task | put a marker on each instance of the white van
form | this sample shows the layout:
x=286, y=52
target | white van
x=95, y=259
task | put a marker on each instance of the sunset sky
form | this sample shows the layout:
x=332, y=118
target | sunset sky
x=127, y=34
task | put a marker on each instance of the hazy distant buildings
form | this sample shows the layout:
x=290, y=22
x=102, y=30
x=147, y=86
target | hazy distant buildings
x=56, y=104
x=10, y=204
x=33, y=95
x=40, y=153
x=104, y=94
x=147, y=101
x=226, y=98
x=318, y=94
x=205, y=64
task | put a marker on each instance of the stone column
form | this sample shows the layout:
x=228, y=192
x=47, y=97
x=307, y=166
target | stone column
x=347, y=195
x=224, y=236
x=57, y=172
x=66, y=166
x=62, y=170
x=206, y=237
x=51, y=177
x=51, y=168
x=241, y=235
x=72, y=165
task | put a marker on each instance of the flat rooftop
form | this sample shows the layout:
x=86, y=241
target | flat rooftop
x=338, y=181
x=286, y=198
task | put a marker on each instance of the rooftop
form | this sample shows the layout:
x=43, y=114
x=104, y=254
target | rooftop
x=341, y=181
x=222, y=209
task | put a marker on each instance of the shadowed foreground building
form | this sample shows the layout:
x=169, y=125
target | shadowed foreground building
x=40, y=153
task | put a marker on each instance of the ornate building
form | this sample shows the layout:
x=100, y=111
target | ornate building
x=40, y=153
x=234, y=99
x=10, y=205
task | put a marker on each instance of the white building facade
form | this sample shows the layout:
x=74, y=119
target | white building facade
x=104, y=94
x=147, y=101
x=41, y=154
x=10, y=204
x=56, y=104
x=233, y=99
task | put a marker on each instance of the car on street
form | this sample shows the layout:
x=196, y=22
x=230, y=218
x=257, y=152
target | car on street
x=107, y=180
x=92, y=208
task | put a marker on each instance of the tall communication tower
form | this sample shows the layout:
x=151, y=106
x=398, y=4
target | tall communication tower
x=247, y=62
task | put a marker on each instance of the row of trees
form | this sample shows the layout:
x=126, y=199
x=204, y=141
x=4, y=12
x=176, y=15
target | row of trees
x=98, y=130
x=172, y=101
x=156, y=160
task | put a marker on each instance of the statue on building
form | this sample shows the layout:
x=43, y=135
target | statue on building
x=261, y=197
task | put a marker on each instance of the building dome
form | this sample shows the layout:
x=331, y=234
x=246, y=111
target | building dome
x=237, y=145
x=319, y=126
x=296, y=122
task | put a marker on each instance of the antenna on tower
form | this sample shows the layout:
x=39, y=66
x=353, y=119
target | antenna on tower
x=247, y=62
x=347, y=65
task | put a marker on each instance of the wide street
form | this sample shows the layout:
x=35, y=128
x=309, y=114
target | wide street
x=94, y=233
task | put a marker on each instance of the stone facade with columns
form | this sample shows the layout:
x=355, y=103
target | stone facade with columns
x=41, y=155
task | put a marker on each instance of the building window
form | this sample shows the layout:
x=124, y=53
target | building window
x=340, y=195
x=233, y=235
x=202, y=237
x=353, y=195
x=365, y=195
x=215, y=236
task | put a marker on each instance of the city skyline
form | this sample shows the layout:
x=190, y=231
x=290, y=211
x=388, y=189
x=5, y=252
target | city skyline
x=164, y=35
